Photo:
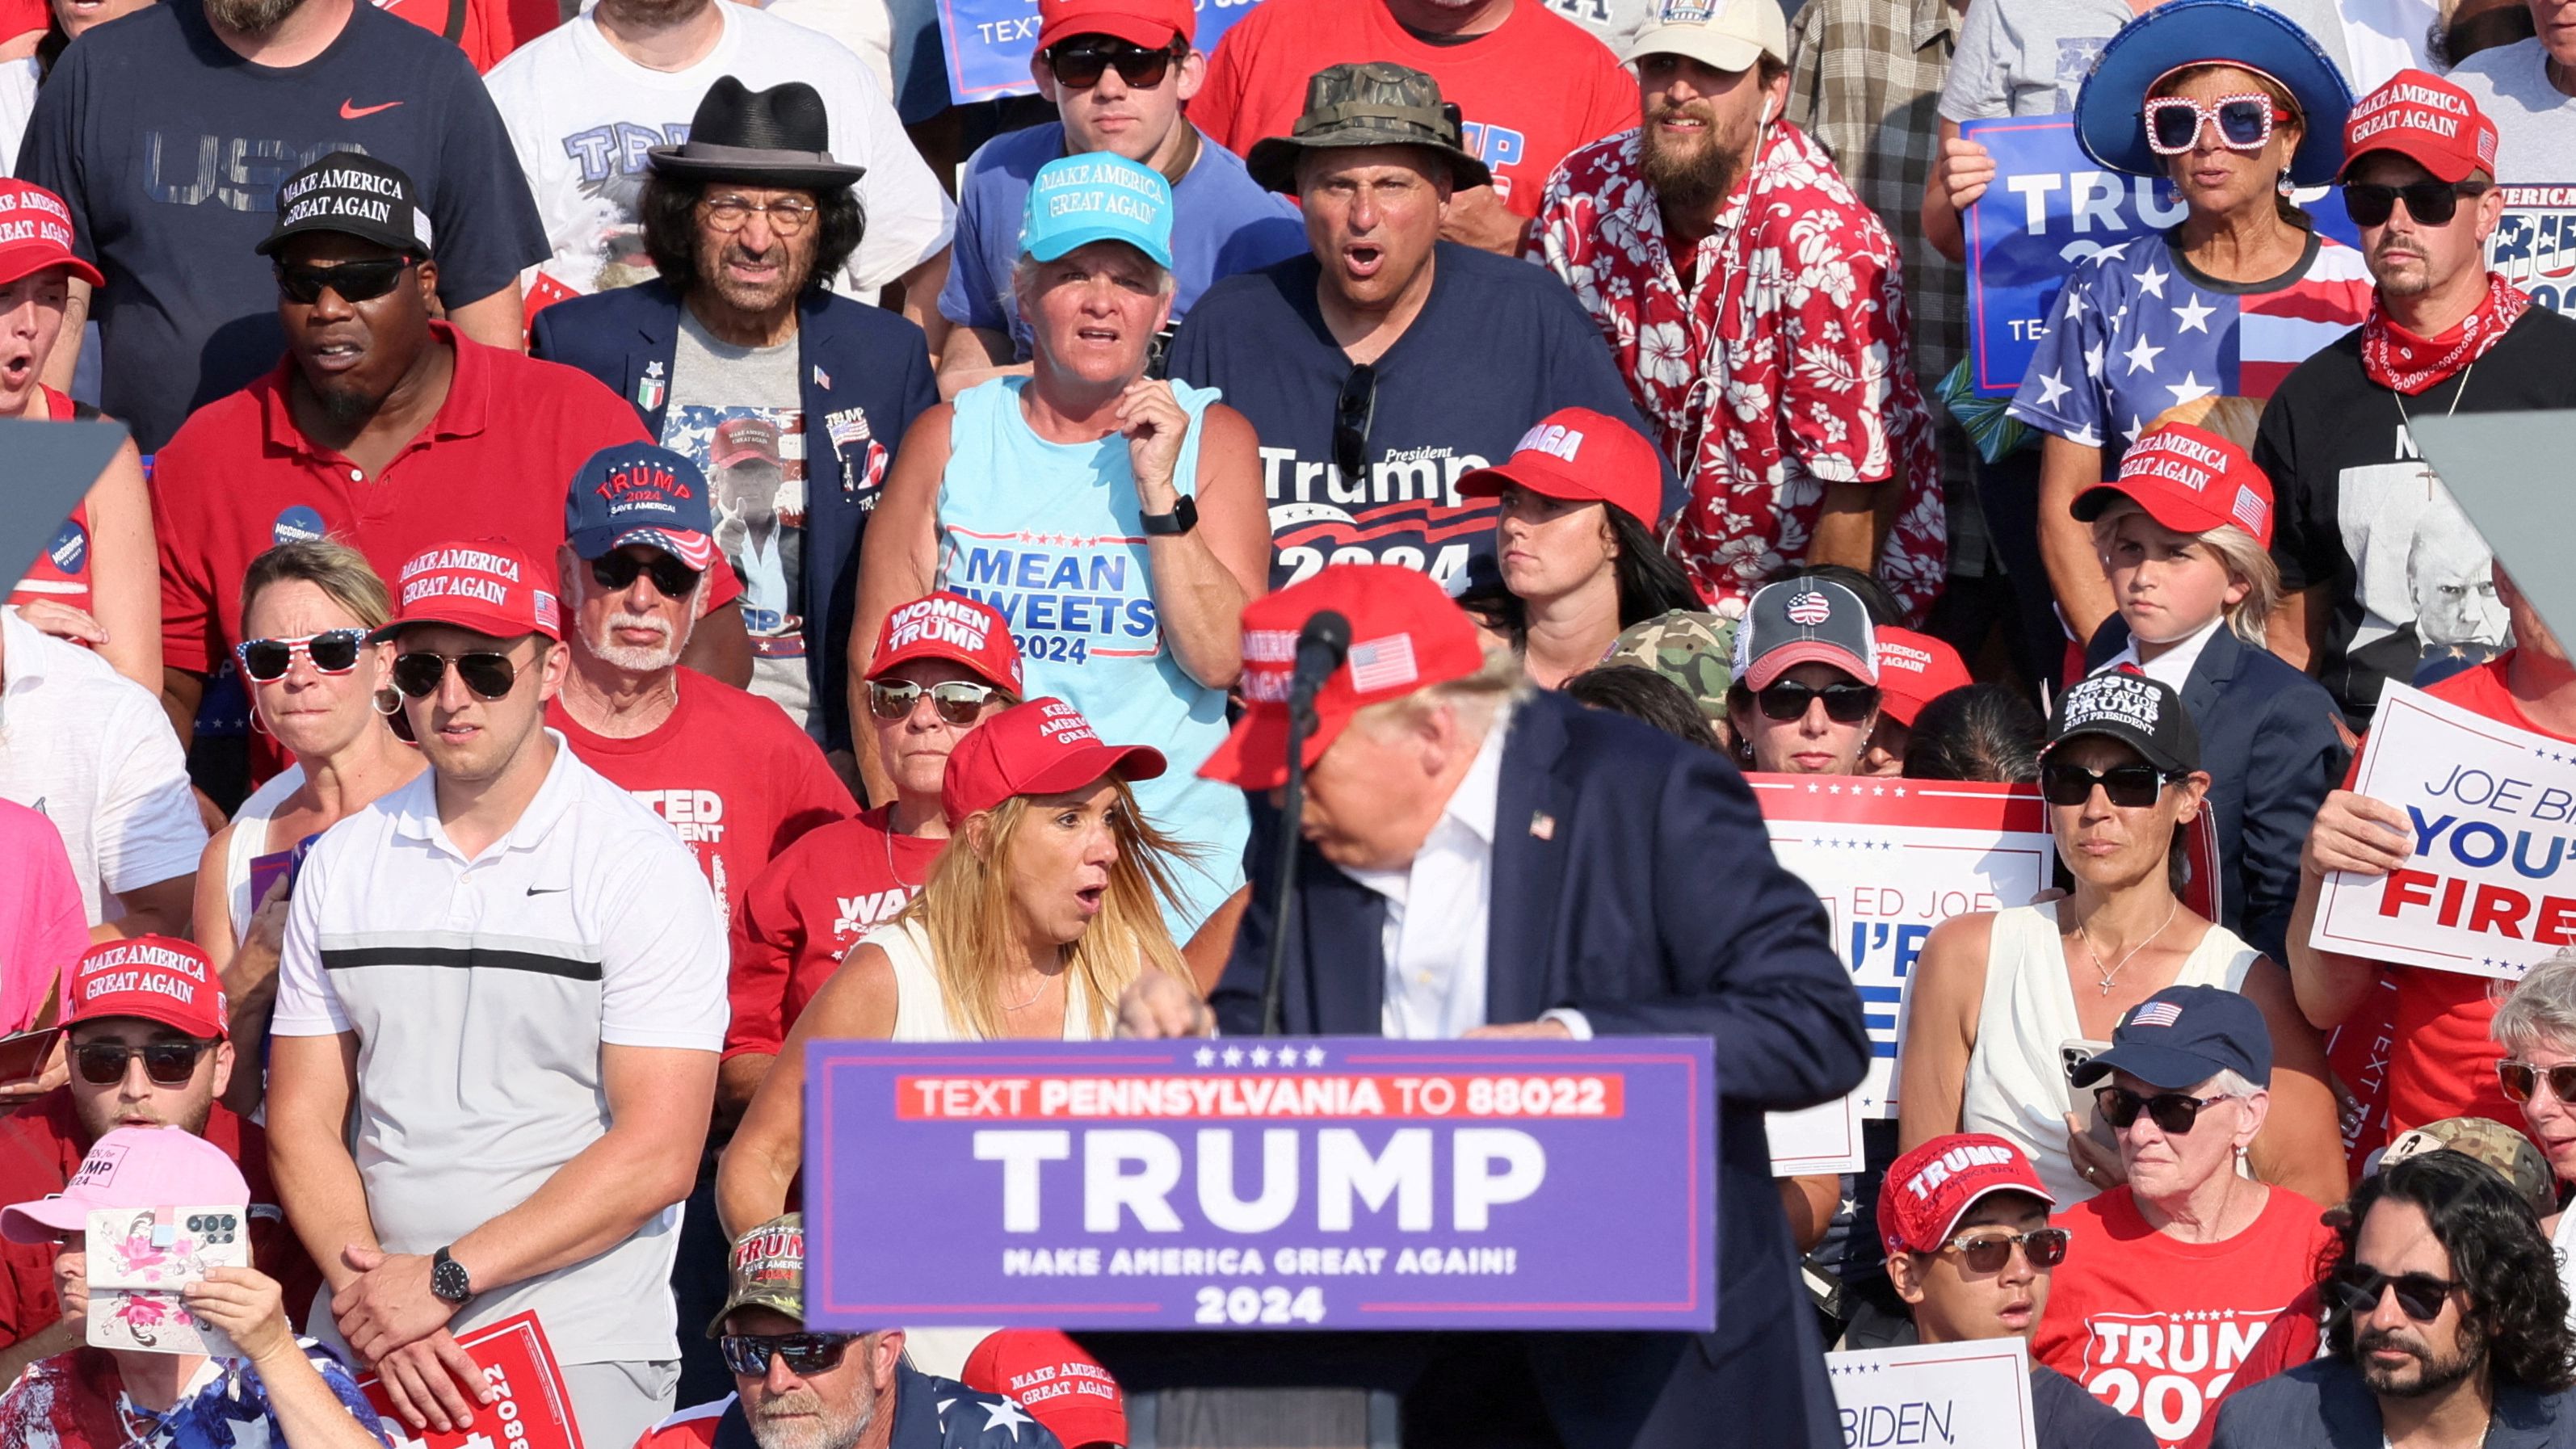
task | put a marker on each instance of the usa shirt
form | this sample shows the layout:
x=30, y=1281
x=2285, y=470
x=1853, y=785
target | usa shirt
x=2139, y=330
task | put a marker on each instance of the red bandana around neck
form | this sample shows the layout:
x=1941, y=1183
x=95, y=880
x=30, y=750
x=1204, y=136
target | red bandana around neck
x=2398, y=359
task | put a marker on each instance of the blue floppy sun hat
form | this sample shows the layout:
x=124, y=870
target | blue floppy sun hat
x=2110, y=109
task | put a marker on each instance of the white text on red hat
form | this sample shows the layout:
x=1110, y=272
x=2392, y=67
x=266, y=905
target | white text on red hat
x=1941, y=1169
x=1554, y=439
x=938, y=621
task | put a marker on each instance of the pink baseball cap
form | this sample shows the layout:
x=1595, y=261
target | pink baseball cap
x=36, y=233
x=131, y=1167
x=488, y=586
x=1930, y=1188
x=2425, y=119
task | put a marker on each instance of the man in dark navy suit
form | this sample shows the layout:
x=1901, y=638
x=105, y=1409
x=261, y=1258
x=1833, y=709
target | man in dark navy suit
x=1484, y=860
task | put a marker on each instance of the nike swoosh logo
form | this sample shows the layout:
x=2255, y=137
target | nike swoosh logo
x=547, y=890
x=350, y=110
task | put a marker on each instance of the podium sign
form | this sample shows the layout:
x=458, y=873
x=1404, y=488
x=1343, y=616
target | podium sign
x=1340, y=1182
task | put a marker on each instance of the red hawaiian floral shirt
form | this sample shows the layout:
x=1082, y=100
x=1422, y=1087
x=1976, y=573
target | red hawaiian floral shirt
x=1797, y=323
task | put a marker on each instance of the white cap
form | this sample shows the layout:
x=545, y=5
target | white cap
x=1727, y=35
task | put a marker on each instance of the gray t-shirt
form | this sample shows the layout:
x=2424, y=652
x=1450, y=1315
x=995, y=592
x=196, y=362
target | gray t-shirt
x=737, y=413
x=1617, y=22
x=2535, y=124
x=2029, y=57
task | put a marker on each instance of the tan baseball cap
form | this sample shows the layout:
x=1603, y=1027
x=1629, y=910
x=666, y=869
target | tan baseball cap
x=1725, y=34
x=766, y=1270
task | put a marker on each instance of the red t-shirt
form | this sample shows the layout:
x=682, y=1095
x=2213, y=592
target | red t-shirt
x=819, y=898
x=491, y=28
x=728, y=770
x=2155, y=1327
x=40, y=1149
x=1531, y=90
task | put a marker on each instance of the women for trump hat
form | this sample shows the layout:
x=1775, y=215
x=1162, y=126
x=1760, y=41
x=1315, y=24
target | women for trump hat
x=487, y=586
x=1042, y=747
x=948, y=626
x=2189, y=479
x=36, y=233
x=1579, y=456
x=131, y=1167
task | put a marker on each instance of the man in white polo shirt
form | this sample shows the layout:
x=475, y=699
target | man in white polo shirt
x=517, y=973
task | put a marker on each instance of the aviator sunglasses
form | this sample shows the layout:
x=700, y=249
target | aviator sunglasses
x=2521, y=1079
x=958, y=701
x=489, y=675
x=1987, y=1252
x=333, y=651
x=2244, y=122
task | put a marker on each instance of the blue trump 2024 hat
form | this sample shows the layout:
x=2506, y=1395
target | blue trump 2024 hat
x=2184, y=1035
x=638, y=493
x=2110, y=109
x=1077, y=200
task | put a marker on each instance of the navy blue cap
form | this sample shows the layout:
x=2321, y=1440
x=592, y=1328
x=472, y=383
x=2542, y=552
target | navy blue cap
x=2185, y=1035
x=638, y=493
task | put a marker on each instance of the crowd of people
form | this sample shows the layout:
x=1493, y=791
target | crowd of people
x=638, y=549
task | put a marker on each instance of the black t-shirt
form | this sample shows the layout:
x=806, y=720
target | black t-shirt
x=2069, y=1418
x=170, y=148
x=2410, y=595
x=1498, y=345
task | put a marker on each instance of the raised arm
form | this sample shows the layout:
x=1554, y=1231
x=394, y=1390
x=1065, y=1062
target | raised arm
x=1202, y=578
x=898, y=561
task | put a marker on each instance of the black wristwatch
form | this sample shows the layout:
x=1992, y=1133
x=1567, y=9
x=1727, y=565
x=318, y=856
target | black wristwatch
x=449, y=1280
x=1183, y=517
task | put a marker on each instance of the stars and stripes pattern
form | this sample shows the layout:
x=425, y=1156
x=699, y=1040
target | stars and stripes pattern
x=2156, y=1013
x=1383, y=664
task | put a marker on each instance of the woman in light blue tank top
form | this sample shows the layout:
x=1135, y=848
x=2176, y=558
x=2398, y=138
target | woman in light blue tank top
x=1117, y=522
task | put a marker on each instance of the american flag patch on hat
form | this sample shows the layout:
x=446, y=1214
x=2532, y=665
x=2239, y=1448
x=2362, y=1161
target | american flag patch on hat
x=1810, y=609
x=2155, y=1013
x=2249, y=509
x=1383, y=664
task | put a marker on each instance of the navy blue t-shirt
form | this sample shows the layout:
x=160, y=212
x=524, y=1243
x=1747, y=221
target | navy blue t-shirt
x=1498, y=345
x=169, y=149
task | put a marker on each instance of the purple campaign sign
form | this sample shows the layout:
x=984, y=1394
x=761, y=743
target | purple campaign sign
x=1338, y=1182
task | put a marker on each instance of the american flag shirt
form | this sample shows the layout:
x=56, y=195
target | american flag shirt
x=2137, y=331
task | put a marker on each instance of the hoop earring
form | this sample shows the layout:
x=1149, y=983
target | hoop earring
x=387, y=702
x=256, y=727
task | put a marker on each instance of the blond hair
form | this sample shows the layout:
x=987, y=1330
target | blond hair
x=2246, y=562
x=339, y=571
x=965, y=908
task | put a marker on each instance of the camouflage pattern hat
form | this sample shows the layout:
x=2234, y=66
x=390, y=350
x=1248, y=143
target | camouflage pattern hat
x=1692, y=649
x=766, y=1270
x=1376, y=103
x=2490, y=1142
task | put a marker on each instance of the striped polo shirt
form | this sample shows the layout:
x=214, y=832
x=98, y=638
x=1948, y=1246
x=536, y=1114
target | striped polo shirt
x=481, y=992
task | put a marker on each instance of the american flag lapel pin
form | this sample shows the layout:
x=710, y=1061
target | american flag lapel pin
x=1542, y=825
x=822, y=379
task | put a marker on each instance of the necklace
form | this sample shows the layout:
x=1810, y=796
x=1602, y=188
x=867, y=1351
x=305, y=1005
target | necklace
x=2456, y=394
x=2112, y=975
x=909, y=887
x=1043, y=984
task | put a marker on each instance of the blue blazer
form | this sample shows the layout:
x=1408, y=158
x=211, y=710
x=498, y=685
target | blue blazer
x=2323, y=1404
x=863, y=376
x=2268, y=741
x=1632, y=880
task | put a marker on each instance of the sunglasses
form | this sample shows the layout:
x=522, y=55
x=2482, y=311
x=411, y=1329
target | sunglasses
x=787, y=215
x=959, y=701
x=167, y=1063
x=2521, y=1079
x=671, y=577
x=2433, y=203
x=2175, y=1112
x=352, y=281
x=1353, y=414
x=1987, y=1252
x=1079, y=64
x=807, y=1354
x=1787, y=699
x=2131, y=787
x=333, y=651
x=488, y=675
x=2244, y=122
x=2421, y=1294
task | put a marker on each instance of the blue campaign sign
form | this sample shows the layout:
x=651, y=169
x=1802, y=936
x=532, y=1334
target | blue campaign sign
x=2048, y=209
x=1334, y=1182
x=989, y=42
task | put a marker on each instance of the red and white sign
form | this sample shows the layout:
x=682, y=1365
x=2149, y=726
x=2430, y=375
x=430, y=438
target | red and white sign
x=530, y=1407
x=1949, y=1393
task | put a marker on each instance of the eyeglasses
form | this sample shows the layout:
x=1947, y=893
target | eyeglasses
x=2421, y=1294
x=333, y=651
x=2131, y=787
x=959, y=701
x=352, y=281
x=2175, y=1112
x=488, y=675
x=807, y=1354
x=671, y=577
x=1353, y=413
x=167, y=1063
x=1079, y=64
x=2520, y=1079
x=1987, y=1252
x=2433, y=203
x=787, y=215
x=2244, y=122
x=1786, y=699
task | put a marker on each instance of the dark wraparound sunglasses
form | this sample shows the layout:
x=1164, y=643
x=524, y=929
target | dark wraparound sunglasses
x=353, y=281
x=167, y=1063
x=2131, y=787
x=2244, y=122
x=959, y=701
x=488, y=675
x=2433, y=203
x=1787, y=699
x=333, y=651
x=1353, y=414
x=2421, y=1294
x=807, y=1354
x=1079, y=64
x=2519, y=1079
x=2175, y=1112
x=671, y=577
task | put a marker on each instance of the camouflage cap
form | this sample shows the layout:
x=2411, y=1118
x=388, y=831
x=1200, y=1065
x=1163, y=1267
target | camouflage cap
x=1372, y=103
x=766, y=1269
x=1692, y=649
x=2490, y=1142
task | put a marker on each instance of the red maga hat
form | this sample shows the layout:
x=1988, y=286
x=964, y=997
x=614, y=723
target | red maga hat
x=1049, y=1375
x=36, y=233
x=1580, y=456
x=2190, y=480
x=1039, y=748
x=952, y=627
x=1914, y=670
x=2425, y=119
x=1930, y=1188
x=156, y=978
x=487, y=586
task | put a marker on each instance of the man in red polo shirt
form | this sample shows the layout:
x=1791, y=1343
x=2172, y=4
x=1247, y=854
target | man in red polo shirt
x=382, y=427
x=144, y=1030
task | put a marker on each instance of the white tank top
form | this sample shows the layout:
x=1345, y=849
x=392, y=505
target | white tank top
x=2016, y=1085
x=250, y=841
x=921, y=1009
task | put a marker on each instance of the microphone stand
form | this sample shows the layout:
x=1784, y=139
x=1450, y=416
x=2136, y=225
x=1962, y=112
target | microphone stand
x=1301, y=722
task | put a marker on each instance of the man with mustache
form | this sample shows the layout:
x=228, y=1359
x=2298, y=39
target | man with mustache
x=1790, y=407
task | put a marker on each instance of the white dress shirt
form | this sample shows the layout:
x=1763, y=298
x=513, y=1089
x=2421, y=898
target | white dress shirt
x=2172, y=668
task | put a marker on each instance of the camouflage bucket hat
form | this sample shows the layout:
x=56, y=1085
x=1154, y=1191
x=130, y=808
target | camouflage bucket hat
x=766, y=1269
x=1378, y=103
x=2493, y=1143
x=1694, y=650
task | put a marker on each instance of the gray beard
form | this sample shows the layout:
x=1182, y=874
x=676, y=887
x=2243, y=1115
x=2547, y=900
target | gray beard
x=834, y=1433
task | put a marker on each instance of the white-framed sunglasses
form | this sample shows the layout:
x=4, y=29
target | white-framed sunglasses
x=2244, y=122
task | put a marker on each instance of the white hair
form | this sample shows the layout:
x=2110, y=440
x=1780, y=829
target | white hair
x=2541, y=1011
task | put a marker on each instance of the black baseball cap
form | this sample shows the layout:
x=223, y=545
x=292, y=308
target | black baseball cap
x=2184, y=1035
x=352, y=194
x=1804, y=621
x=2142, y=713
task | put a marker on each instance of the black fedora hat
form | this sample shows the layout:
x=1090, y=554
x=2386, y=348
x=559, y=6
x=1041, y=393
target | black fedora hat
x=777, y=137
